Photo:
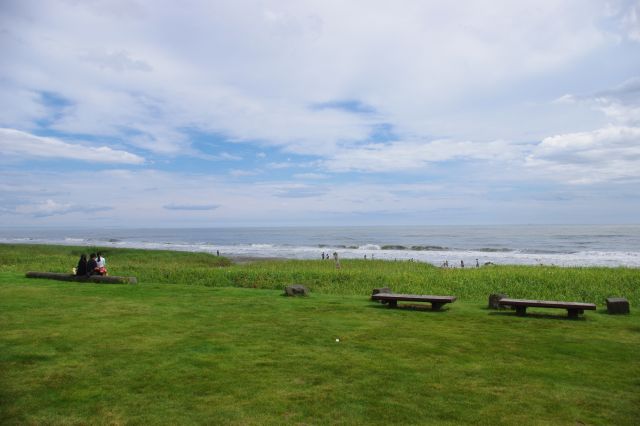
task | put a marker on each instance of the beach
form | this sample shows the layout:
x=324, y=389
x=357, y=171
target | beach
x=561, y=245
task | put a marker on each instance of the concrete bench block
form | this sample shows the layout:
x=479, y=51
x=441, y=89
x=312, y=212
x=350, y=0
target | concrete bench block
x=494, y=299
x=381, y=290
x=296, y=290
x=617, y=305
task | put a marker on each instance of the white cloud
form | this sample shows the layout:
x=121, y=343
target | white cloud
x=620, y=104
x=607, y=154
x=289, y=164
x=241, y=173
x=25, y=145
x=20, y=107
x=142, y=195
x=450, y=92
x=191, y=207
x=401, y=156
x=147, y=197
x=50, y=207
x=251, y=70
x=631, y=22
x=118, y=61
x=227, y=156
x=310, y=176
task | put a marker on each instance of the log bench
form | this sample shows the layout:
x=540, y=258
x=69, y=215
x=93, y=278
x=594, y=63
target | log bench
x=573, y=308
x=392, y=299
x=99, y=279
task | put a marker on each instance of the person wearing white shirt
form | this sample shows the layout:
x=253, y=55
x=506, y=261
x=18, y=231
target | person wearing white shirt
x=102, y=264
x=101, y=261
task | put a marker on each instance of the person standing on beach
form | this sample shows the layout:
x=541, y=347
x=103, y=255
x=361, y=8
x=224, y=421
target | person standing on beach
x=335, y=257
x=462, y=263
x=477, y=263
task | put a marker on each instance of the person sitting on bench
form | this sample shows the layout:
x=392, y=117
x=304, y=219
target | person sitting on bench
x=92, y=265
x=81, y=269
x=101, y=263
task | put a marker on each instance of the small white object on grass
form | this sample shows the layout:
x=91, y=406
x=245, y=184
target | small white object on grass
x=337, y=340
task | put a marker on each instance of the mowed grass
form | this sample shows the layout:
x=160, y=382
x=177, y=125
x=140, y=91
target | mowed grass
x=84, y=353
x=73, y=353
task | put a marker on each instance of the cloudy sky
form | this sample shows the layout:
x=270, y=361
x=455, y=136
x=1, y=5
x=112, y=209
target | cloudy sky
x=250, y=113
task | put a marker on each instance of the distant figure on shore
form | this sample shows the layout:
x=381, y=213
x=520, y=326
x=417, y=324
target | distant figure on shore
x=335, y=257
x=218, y=253
x=81, y=269
x=462, y=263
x=322, y=255
x=477, y=263
x=365, y=257
x=102, y=264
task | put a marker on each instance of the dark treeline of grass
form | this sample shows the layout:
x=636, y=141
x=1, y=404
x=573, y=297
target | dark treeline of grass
x=356, y=277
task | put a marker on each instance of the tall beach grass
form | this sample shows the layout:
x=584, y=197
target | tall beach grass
x=355, y=277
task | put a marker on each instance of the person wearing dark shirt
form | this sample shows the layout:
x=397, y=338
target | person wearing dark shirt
x=82, y=265
x=92, y=265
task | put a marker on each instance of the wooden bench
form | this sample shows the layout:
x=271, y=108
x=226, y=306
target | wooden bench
x=573, y=308
x=393, y=298
x=99, y=279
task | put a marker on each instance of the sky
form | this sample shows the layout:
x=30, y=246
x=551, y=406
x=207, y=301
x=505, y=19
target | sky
x=123, y=113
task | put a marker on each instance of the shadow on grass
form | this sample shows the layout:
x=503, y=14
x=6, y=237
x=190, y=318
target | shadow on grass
x=410, y=307
x=26, y=358
x=538, y=315
x=606, y=313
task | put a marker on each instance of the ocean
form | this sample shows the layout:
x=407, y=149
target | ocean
x=561, y=245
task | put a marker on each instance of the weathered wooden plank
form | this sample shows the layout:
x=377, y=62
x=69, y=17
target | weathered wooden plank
x=392, y=299
x=99, y=279
x=573, y=308
x=547, y=304
x=413, y=298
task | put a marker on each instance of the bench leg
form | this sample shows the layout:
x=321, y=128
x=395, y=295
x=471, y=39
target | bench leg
x=573, y=313
x=435, y=306
x=393, y=303
x=521, y=311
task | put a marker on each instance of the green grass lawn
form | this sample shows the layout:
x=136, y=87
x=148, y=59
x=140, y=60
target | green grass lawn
x=73, y=353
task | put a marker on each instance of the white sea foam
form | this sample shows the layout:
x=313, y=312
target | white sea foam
x=561, y=246
x=262, y=246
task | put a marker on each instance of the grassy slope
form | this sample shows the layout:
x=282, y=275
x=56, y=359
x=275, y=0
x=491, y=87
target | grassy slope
x=155, y=353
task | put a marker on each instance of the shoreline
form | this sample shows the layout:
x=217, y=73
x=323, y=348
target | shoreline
x=437, y=258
